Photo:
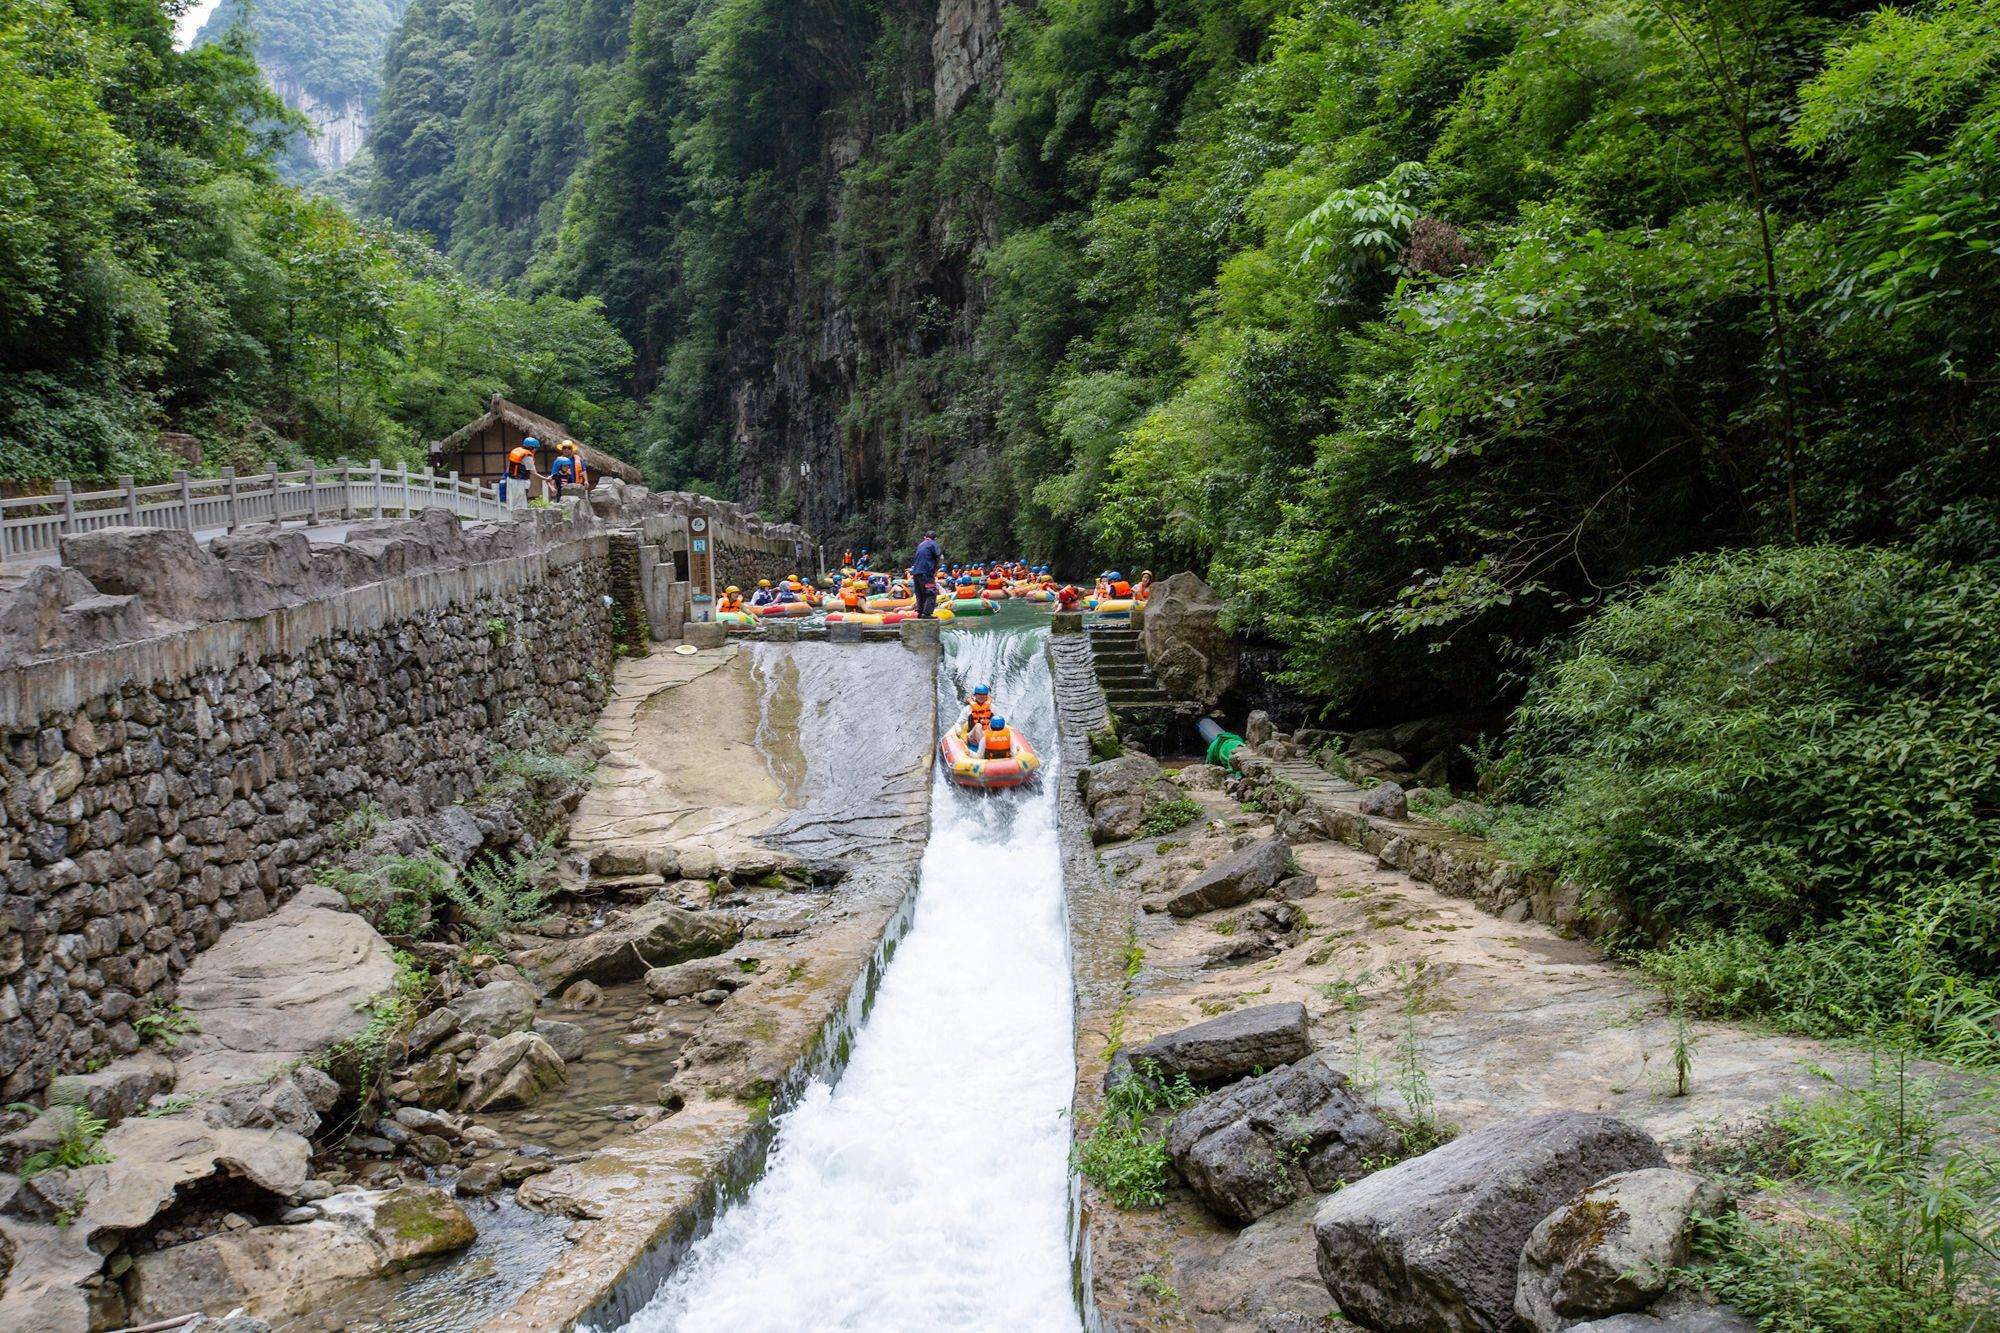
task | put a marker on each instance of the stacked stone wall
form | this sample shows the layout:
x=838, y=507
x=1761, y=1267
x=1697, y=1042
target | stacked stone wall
x=158, y=790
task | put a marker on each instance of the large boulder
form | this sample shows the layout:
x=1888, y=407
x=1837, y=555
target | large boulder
x=1246, y=873
x=275, y=1271
x=517, y=1070
x=1190, y=652
x=692, y=978
x=1222, y=1049
x=273, y=990
x=629, y=944
x=1613, y=1248
x=1255, y=1147
x=1117, y=793
x=1433, y=1245
x=496, y=1009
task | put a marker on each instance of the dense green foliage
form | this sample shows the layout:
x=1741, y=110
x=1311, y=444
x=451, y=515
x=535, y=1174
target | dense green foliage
x=1881, y=1213
x=154, y=274
x=1797, y=745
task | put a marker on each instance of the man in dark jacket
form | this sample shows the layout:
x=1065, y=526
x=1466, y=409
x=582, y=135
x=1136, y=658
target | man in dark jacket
x=923, y=569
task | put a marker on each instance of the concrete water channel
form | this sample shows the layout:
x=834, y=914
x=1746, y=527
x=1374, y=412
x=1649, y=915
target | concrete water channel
x=876, y=1135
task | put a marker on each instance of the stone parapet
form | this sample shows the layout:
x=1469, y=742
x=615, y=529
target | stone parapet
x=157, y=788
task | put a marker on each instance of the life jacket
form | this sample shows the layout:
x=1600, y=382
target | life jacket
x=998, y=743
x=982, y=713
x=850, y=598
x=730, y=604
x=518, y=459
x=1121, y=589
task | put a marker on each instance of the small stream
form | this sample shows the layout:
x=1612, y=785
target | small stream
x=929, y=1188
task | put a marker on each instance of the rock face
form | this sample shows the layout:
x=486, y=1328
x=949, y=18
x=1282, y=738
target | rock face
x=1245, y=873
x=1116, y=794
x=1613, y=1248
x=287, y=1270
x=631, y=943
x=1386, y=801
x=516, y=1070
x=496, y=1009
x=1435, y=1243
x=295, y=981
x=1225, y=1048
x=1185, y=642
x=1255, y=1147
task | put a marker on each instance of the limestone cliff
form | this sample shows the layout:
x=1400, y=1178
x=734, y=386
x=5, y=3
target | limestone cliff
x=862, y=408
x=324, y=59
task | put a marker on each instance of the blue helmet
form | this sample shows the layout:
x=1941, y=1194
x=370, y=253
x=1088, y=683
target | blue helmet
x=982, y=689
x=999, y=723
x=1114, y=574
x=531, y=443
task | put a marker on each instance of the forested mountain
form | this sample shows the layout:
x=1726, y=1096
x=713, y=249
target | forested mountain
x=1631, y=358
x=324, y=60
x=155, y=275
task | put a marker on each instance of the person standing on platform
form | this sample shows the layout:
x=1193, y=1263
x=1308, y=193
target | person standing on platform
x=923, y=570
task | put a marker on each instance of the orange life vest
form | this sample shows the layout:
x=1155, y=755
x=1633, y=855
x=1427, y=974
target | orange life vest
x=519, y=459
x=999, y=743
x=1121, y=589
x=730, y=604
x=982, y=713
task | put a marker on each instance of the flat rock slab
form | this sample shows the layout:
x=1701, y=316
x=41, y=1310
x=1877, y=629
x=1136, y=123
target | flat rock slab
x=1245, y=873
x=1245, y=1042
x=271, y=991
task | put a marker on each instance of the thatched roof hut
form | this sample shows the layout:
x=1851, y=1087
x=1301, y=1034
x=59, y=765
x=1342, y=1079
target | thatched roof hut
x=480, y=448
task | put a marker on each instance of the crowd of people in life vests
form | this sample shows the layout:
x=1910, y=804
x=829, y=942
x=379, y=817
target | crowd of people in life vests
x=521, y=467
x=857, y=583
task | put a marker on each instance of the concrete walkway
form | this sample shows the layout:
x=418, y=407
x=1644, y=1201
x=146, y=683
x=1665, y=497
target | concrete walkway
x=320, y=534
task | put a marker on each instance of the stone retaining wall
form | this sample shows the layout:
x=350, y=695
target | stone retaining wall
x=159, y=787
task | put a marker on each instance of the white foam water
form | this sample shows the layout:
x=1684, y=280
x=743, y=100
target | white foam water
x=929, y=1189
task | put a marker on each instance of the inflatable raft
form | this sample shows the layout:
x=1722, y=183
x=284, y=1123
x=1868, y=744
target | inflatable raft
x=784, y=609
x=972, y=606
x=735, y=619
x=879, y=604
x=969, y=770
x=869, y=617
x=1112, y=606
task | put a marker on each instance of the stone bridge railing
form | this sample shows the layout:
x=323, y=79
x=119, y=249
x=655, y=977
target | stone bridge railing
x=35, y=525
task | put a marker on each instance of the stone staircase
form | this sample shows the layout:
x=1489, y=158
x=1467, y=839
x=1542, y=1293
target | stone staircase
x=1129, y=684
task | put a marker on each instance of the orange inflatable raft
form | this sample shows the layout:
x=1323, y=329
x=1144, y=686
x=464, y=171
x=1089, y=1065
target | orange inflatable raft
x=969, y=770
x=784, y=609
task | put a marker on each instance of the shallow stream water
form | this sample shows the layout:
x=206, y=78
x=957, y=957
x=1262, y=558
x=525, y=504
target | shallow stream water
x=928, y=1188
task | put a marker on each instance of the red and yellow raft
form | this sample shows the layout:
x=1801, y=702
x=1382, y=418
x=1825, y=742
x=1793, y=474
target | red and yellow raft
x=783, y=609
x=969, y=770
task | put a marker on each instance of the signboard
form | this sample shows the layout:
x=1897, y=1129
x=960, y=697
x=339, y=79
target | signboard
x=701, y=546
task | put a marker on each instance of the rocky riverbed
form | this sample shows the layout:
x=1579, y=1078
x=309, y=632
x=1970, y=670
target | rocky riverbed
x=342, y=1100
x=1317, y=1023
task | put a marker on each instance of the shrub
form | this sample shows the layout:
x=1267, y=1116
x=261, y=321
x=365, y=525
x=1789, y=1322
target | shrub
x=1795, y=746
x=1167, y=816
x=78, y=1134
x=397, y=893
x=1888, y=1222
x=492, y=896
x=1123, y=1156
